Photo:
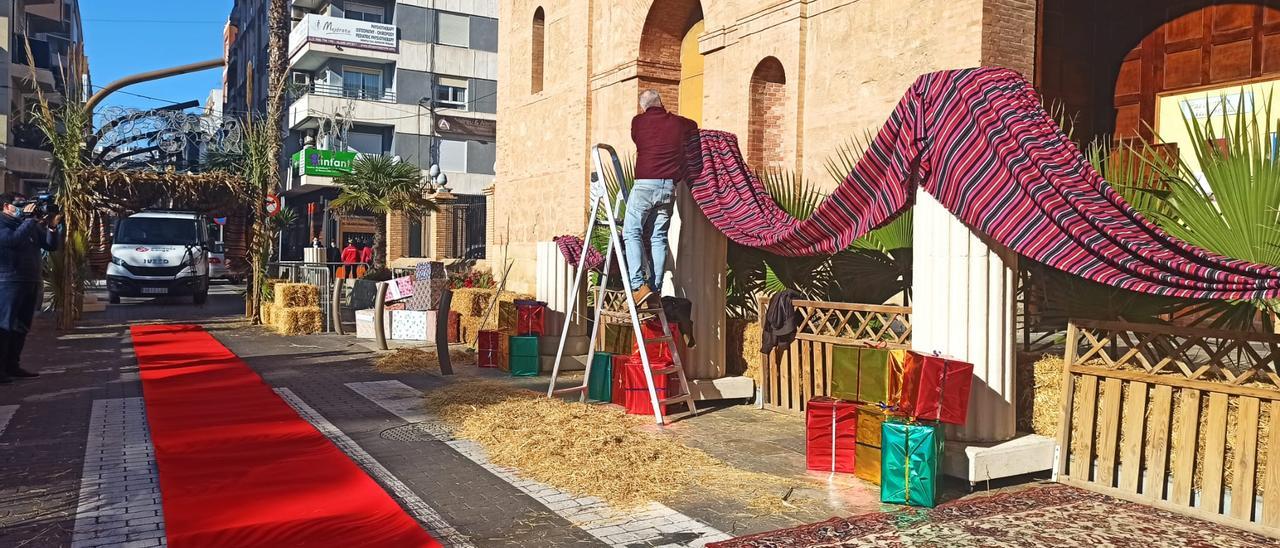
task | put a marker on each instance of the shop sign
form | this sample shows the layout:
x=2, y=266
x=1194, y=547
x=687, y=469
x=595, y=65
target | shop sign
x=470, y=127
x=323, y=163
x=337, y=31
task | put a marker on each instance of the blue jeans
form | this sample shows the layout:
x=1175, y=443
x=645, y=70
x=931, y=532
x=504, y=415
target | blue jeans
x=648, y=211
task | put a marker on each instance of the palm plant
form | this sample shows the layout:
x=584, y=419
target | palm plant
x=1233, y=209
x=873, y=269
x=381, y=185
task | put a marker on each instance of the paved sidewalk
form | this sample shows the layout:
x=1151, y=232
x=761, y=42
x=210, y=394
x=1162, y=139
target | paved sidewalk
x=76, y=466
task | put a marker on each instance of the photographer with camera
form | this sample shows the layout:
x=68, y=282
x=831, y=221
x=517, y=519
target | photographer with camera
x=26, y=228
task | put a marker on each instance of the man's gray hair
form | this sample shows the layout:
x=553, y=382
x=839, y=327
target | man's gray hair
x=649, y=99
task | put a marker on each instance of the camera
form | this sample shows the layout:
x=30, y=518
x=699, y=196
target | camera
x=45, y=206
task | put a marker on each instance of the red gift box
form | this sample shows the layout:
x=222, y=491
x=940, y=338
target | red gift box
x=619, y=370
x=659, y=351
x=530, y=317
x=636, y=390
x=831, y=427
x=488, y=348
x=935, y=388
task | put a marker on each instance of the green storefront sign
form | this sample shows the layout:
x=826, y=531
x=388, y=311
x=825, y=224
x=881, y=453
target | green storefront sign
x=323, y=163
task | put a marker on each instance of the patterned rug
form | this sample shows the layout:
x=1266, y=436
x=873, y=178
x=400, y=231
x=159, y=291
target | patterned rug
x=1054, y=515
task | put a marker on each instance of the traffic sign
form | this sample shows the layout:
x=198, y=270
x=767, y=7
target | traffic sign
x=220, y=220
x=273, y=205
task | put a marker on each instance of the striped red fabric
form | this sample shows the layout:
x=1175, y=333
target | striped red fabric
x=979, y=141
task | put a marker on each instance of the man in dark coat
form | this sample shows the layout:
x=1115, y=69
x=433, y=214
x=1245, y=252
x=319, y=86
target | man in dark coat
x=22, y=238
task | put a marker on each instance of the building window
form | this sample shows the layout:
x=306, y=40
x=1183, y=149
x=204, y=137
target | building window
x=451, y=93
x=455, y=30
x=361, y=84
x=453, y=156
x=537, y=53
x=367, y=143
x=363, y=12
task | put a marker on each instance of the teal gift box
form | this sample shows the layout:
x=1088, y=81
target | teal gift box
x=600, y=386
x=524, y=360
x=910, y=462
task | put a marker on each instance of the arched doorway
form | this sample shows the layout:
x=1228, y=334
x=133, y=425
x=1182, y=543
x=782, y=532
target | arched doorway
x=669, y=62
x=667, y=42
x=1108, y=62
x=691, y=66
x=765, y=114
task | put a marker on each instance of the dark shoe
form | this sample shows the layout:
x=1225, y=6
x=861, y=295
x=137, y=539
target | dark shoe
x=23, y=374
x=640, y=296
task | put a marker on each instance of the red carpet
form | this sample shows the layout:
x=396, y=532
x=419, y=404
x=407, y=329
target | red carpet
x=238, y=467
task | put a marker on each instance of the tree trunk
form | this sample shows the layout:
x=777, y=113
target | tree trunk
x=277, y=65
x=380, y=243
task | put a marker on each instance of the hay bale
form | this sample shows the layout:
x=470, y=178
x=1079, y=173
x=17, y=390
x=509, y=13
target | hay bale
x=297, y=320
x=291, y=295
x=594, y=450
x=471, y=304
x=268, y=313
x=1046, y=395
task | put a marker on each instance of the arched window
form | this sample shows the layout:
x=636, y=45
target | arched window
x=537, y=54
x=765, y=118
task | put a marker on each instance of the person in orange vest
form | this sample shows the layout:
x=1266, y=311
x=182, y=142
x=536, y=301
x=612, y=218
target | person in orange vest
x=349, y=257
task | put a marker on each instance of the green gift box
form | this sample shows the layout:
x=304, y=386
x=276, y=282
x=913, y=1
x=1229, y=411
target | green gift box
x=910, y=461
x=524, y=347
x=864, y=374
x=524, y=366
x=600, y=386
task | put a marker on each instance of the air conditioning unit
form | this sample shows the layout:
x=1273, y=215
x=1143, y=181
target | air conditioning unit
x=301, y=78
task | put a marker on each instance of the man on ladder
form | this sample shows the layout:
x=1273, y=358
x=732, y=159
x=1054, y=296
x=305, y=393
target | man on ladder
x=660, y=139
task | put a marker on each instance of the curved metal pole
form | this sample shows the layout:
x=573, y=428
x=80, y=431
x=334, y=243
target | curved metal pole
x=148, y=76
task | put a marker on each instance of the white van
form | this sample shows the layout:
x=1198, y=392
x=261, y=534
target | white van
x=160, y=253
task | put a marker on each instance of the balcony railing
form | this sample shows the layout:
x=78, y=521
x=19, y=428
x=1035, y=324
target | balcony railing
x=39, y=52
x=360, y=94
x=348, y=33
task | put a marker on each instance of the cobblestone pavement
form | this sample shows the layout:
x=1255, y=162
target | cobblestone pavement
x=77, y=466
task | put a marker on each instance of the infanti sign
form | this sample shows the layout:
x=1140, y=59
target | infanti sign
x=323, y=163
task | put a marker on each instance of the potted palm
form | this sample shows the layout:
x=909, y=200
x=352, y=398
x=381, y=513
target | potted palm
x=381, y=185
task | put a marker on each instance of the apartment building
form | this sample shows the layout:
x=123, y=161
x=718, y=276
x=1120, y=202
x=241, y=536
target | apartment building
x=56, y=68
x=415, y=79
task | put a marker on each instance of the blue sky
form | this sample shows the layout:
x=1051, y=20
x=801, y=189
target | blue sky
x=124, y=37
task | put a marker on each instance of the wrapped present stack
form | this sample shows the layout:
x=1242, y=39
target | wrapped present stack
x=630, y=373
x=884, y=421
x=413, y=305
x=295, y=309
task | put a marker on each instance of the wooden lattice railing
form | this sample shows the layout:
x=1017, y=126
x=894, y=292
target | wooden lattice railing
x=1180, y=418
x=794, y=374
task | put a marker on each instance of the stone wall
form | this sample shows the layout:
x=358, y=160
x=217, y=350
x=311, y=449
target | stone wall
x=846, y=64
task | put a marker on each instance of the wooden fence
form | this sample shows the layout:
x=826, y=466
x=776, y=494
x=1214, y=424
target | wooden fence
x=1179, y=418
x=793, y=375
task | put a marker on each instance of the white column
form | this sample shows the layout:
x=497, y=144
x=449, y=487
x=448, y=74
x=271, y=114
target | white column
x=696, y=271
x=963, y=305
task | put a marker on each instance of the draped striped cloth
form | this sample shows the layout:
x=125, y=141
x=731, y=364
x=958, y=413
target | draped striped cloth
x=979, y=141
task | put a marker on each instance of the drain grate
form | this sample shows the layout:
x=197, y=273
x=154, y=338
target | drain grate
x=416, y=432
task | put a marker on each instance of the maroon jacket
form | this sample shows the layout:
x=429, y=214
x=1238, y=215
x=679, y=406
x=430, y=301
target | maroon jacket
x=660, y=139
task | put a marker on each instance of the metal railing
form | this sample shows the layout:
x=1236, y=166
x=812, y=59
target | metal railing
x=349, y=92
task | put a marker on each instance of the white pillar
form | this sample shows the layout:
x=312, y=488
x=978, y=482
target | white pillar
x=696, y=270
x=555, y=286
x=963, y=305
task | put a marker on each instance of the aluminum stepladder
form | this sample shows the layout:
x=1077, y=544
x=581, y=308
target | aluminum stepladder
x=604, y=297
